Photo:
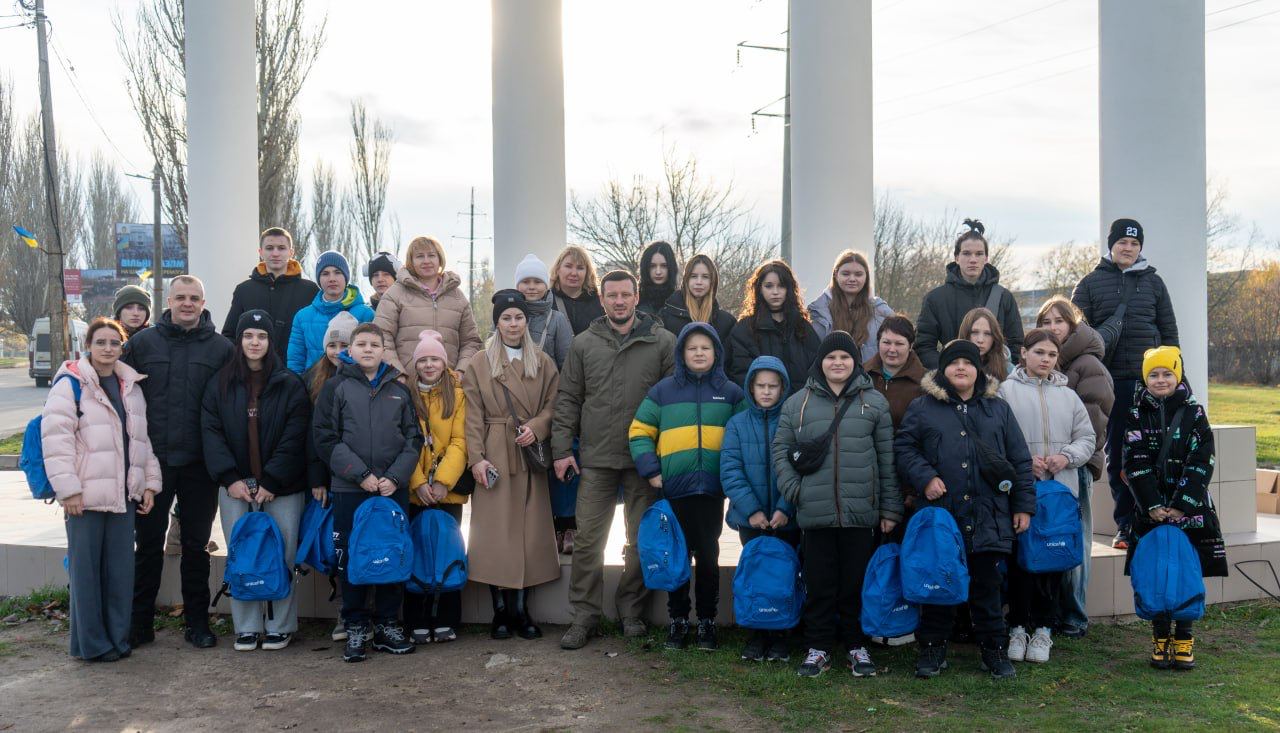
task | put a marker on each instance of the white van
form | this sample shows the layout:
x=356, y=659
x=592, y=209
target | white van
x=38, y=367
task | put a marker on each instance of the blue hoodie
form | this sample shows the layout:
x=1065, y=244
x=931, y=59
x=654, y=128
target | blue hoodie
x=746, y=470
x=306, y=338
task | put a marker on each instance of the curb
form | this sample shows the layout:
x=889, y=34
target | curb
x=8, y=463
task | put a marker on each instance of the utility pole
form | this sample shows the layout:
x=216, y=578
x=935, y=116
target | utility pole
x=55, y=293
x=785, y=246
x=471, y=246
x=157, y=255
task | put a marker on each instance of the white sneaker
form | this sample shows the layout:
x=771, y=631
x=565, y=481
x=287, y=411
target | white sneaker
x=1038, y=650
x=901, y=640
x=339, y=632
x=1017, y=644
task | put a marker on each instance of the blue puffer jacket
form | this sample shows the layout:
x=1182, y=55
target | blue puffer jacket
x=746, y=467
x=306, y=339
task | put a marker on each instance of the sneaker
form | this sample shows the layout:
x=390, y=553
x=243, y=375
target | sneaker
x=357, y=647
x=390, y=638
x=779, y=649
x=140, y=635
x=633, y=627
x=1184, y=654
x=420, y=636
x=1018, y=641
x=815, y=663
x=576, y=637
x=931, y=660
x=900, y=640
x=201, y=637
x=707, y=635
x=443, y=635
x=678, y=633
x=339, y=632
x=276, y=642
x=860, y=662
x=1121, y=540
x=1038, y=650
x=1161, y=652
x=754, y=650
x=996, y=661
x=246, y=642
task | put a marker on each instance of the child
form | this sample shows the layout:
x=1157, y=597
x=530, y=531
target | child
x=756, y=507
x=675, y=442
x=442, y=414
x=366, y=432
x=1177, y=492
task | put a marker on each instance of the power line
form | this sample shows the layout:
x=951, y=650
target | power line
x=992, y=93
x=71, y=77
x=1233, y=7
x=1241, y=22
x=991, y=75
x=968, y=33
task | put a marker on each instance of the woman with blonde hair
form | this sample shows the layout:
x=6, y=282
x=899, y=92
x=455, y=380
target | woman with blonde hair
x=696, y=300
x=850, y=305
x=574, y=286
x=427, y=296
x=983, y=328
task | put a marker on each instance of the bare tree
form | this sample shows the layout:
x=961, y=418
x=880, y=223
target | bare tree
x=152, y=51
x=107, y=203
x=370, y=172
x=330, y=222
x=482, y=301
x=1064, y=265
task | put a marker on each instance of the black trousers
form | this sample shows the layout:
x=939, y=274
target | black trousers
x=985, y=606
x=1124, y=502
x=197, y=497
x=701, y=518
x=417, y=606
x=835, y=563
x=355, y=598
x=1033, y=597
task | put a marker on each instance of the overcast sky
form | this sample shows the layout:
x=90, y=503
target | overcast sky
x=987, y=108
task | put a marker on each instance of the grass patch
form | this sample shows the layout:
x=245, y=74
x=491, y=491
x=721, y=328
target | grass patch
x=1100, y=682
x=1250, y=404
x=11, y=445
x=39, y=603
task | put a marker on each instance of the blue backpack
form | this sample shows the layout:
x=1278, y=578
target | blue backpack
x=315, y=540
x=884, y=611
x=1166, y=578
x=379, y=550
x=768, y=590
x=32, y=460
x=664, y=556
x=1053, y=542
x=439, y=554
x=256, y=570
x=933, y=563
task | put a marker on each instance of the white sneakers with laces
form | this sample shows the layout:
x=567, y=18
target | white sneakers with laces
x=1038, y=648
x=1018, y=641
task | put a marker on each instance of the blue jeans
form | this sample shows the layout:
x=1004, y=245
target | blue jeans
x=1071, y=598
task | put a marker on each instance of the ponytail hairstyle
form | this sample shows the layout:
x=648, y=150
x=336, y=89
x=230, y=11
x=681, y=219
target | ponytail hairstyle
x=974, y=231
x=792, y=307
x=851, y=314
x=994, y=362
x=700, y=309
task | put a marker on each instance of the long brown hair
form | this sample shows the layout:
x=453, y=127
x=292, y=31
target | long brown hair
x=753, y=298
x=993, y=363
x=448, y=400
x=700, y=309
x=851, y=315
x=321, y=372
x=1069, y=311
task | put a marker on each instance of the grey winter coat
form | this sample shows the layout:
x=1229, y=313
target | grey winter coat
x=820, y=317
x=550, y=329
x=857, y=485
x=1053, y=420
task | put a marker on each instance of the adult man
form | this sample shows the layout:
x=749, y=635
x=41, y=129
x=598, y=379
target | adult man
x=132, y=308
x=275, y=285
x=609, y=369
x=381, y=271
x=972, y=282
x=179, y=356
x=1146, y=321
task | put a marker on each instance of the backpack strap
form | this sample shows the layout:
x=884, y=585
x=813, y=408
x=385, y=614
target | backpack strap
x=1166, y=444
x=993, y=298
x=75, y=391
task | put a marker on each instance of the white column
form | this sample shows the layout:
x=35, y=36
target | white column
x=528, y=134
x=222, y=146
x=1152, y=147
x=831, y=135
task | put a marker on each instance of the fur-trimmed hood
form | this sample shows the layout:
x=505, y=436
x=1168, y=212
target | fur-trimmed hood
x=932, y=387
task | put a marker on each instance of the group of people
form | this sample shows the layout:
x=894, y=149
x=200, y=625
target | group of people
x=594, y=391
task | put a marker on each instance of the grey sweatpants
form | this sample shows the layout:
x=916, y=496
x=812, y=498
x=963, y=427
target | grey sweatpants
x=100, y=562
x=250, y=617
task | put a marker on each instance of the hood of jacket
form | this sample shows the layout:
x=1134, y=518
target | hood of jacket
x=912, y=371
x=349, y=300
x=83, y=371
x=203, y=330
x=989, y=276
x=682, y=373
x=822, y=303
x=643, y=326
x=1055, y=379
x=1084, y=340
x=1109, y=265
x=292, y=271
x=449, y=280
x=349, y=368
x=935, y=389
x=857, y=383
x=1181, y=396
x=773, y=364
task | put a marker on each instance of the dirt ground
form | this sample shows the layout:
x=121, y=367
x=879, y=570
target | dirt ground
x=169, y=686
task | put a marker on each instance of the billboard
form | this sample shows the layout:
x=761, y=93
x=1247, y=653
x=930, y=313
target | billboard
x=135, y=250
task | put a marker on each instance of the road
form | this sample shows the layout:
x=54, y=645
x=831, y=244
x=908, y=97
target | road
x=19, y=400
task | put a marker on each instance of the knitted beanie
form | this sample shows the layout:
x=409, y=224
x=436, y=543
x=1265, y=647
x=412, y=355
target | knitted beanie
x=430, y=343
x=340, y=328
x=131, y=294
x=333, y=258
x=533, y=267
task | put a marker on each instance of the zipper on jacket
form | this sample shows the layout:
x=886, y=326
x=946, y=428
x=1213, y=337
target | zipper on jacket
x=697, y=397
x=1044, y=417
x=768, y=467
x=835, y=465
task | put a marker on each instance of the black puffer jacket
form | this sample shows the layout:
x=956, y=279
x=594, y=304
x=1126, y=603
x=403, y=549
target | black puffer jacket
x=284, y=419
x=359, y=426
x=1148, y=322
x=933, y=443
x=281, y=296
x=946, y=305
x=773, y=339
x=178, y=364
x=581, y=310
x=675, y=316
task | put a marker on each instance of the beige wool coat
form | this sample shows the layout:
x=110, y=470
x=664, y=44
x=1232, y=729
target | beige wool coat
x=406, y=310
x=513, y=542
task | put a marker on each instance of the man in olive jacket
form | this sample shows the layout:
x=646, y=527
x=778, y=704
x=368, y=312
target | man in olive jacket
x=610, y=368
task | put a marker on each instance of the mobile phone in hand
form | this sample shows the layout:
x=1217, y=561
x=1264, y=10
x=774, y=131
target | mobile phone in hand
x=491, y=476
x=570, y=474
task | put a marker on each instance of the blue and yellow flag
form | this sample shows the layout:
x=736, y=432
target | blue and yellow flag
x=144, y=273
x=26, y=236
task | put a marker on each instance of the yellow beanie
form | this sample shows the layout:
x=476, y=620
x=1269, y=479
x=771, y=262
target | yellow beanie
x=1169, y=357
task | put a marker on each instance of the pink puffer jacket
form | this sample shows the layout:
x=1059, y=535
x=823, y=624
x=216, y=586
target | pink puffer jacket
x=85, y=455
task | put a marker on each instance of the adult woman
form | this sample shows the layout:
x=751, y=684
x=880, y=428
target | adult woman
x=1061, y=440
x=658, y=276
x=424, y=296
x=102, y=469
x=1080, y=358
x=510, y=390
x=696, y=299
x=548, y=327
x=938, y=451
x=574, y=285
x=442, y=413
x=982, y=328
x=850, y=305
x=255, y=419
x=773, y=322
